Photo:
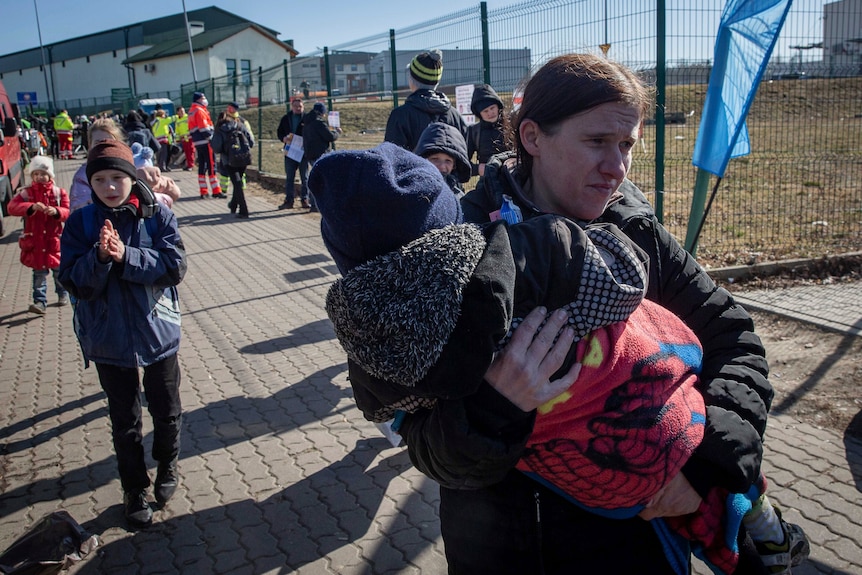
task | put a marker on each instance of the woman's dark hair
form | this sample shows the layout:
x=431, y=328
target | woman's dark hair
x=571, y=84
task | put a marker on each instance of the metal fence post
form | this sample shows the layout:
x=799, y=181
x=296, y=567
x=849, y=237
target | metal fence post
x=394, y=59
x=661, y=87
x=259, y=117
x=286, y=86
x=328, y=80
x=486, y=43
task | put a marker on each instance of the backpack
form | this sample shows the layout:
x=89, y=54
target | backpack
x=238, y=149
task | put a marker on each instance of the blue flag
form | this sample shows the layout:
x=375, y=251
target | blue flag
x=746, y=37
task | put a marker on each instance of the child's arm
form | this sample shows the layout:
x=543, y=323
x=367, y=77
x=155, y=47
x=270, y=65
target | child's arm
x=80, y=270
x=20, y=204
x=80, y=193
x=63, y=210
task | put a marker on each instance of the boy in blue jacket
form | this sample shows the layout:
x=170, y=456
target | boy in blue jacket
x=122, y=258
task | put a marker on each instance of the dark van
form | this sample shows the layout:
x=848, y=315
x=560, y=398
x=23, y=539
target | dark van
x=11, y=163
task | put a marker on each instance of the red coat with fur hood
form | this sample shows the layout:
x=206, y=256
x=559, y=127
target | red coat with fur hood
x=40, y=240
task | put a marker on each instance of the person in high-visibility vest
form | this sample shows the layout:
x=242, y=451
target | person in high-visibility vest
x=201, y=128
x=162, y=131
x=181, y=130
x=64, y=127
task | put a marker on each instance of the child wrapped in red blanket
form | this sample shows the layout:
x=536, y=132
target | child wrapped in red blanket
x=426, y=302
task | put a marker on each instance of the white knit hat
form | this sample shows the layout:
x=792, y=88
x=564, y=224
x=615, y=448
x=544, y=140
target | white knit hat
x=43, y=164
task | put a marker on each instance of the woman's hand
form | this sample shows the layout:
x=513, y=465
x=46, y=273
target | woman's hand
x=522, y=370
x=677, y=497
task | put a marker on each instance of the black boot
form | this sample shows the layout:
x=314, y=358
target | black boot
x=166, y=481
x=138, y=512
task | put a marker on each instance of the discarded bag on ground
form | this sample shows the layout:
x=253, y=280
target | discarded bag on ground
x=54, y=543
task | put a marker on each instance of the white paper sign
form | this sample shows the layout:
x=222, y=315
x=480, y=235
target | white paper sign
x=463, y=97
x=294, y=150
x=334, y=120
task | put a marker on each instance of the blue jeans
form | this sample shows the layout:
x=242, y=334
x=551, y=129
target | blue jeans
x=40, y=285
x=290, y=167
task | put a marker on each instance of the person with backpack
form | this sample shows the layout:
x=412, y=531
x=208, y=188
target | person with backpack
x=233, y=142
x=319, y=138
x=44, y=207
x=424, y=105
x=122, y=258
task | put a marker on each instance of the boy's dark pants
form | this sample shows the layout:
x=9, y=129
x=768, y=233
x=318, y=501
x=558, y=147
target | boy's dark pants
x=162, y=389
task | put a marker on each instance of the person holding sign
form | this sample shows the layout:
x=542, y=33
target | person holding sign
x=290, y=132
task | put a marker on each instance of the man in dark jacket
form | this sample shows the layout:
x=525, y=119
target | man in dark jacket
x=291, y=124
x=317, y=135
x=317, y=138
x=424, y=105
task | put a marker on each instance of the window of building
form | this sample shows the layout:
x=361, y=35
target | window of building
x=245, y=66
x=339, y=67
x=115, y=53
x=88, y=59
x=230, y=63
x=354, y=68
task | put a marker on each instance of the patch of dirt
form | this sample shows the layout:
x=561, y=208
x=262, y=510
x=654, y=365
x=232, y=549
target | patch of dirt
x=816, y=374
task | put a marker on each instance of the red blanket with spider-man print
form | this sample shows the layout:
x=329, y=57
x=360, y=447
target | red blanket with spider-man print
x=628, y=424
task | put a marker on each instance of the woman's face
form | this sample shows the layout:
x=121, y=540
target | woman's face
x=579, y=166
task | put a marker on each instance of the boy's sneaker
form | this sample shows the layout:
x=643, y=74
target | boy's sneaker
x=137, y=509
x=166, y=481
x=38, y=307
x=794, y=550
x=63, y=300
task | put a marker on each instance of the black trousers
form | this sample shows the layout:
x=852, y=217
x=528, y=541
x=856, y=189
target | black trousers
x=518, y=526
x=162, y=389
x=238, y=198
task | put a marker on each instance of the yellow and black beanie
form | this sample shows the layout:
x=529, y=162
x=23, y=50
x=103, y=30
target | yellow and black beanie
x=427, y=68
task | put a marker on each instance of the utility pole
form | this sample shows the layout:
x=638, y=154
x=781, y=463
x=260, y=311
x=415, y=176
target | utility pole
x=191, y=51
x=48, y=94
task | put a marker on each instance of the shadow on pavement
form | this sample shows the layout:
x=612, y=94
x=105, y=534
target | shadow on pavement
x=316, y=517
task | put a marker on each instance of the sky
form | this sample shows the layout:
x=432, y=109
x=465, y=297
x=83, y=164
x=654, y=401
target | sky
x=336, y=22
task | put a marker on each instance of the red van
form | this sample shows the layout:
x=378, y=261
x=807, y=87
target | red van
x=11, y=163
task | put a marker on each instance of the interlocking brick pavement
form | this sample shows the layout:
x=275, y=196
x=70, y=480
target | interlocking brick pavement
x=280, y=472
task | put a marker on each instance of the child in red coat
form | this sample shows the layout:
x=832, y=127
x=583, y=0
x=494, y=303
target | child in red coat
x=44, y=207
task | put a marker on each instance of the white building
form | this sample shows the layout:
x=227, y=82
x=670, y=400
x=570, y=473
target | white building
x=149, y=59
x=842, y=37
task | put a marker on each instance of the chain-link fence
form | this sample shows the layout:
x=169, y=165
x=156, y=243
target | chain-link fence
x=798, y=194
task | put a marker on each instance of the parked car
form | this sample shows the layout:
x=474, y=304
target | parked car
x=11, y=162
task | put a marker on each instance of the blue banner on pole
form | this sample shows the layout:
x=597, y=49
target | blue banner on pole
x=746, y=37
x=27, y=99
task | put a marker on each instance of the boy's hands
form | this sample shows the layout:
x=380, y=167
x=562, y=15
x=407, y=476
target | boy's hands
x=110, y=245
